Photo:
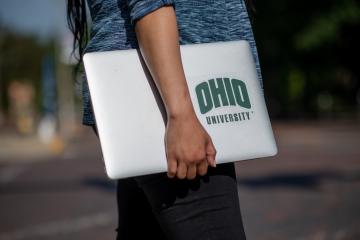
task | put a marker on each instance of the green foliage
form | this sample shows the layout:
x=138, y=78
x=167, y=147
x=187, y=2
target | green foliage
x=296, y=84
x=309, y=52
x=21, y=58
x=326, y=27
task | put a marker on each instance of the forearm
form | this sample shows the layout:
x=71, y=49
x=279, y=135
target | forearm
x=158, y=39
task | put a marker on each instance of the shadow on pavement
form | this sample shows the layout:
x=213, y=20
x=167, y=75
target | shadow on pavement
x=299, y=180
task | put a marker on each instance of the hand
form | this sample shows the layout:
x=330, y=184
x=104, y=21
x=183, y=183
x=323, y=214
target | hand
x=189, y=148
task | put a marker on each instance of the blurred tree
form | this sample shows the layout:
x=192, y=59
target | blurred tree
x=308, y=52
x=21, y=59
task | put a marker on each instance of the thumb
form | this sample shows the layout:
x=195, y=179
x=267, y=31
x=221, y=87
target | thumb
x=210, y=153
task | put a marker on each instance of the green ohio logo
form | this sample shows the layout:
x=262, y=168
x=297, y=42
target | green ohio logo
x=224, y=92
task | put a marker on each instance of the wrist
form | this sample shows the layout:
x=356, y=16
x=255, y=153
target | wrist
x=183, y=109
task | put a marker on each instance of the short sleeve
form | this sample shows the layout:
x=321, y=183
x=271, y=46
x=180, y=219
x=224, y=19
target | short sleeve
x=140, y=8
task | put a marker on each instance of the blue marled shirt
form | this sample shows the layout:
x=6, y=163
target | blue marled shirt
x=199, y=21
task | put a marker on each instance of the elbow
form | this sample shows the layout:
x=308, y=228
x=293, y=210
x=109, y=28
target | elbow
x=140, y=8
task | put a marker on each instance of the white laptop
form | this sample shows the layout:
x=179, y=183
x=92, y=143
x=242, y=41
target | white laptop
x=130, y=115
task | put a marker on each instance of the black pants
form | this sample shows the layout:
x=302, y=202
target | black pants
x=157, y=207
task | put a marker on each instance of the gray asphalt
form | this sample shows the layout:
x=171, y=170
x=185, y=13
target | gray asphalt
x=310, y=190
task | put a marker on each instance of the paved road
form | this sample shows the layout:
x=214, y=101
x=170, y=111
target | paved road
x=310, y=190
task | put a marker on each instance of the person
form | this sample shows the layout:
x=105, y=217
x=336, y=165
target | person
x=195, y=198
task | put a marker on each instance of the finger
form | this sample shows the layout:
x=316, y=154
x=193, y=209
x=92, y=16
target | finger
x=211, y=153
x=191, y=171
x=181, y=170
x=211, y=160
x=172, y=167
x=202, y=168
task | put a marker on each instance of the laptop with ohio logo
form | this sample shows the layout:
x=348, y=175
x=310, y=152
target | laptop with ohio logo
x=131, y=118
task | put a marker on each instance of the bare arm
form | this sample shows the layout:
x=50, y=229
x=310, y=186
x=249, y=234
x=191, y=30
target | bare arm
x=157, y=35
x=189, y=147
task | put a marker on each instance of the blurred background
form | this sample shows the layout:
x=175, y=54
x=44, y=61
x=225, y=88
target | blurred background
x=52, y=179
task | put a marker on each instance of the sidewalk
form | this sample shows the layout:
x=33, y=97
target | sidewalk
x=15, y=147
x=309, y=191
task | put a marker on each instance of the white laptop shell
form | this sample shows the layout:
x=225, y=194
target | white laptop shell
x=130, y=114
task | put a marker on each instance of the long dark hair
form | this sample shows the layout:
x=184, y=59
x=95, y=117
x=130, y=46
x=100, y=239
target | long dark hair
x=78, y=25
x=250, y=4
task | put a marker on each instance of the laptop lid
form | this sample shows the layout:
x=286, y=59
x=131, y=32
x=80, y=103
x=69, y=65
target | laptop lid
x=131, y=118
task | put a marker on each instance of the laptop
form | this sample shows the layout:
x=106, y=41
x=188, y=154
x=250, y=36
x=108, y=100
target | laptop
x=131, y=117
